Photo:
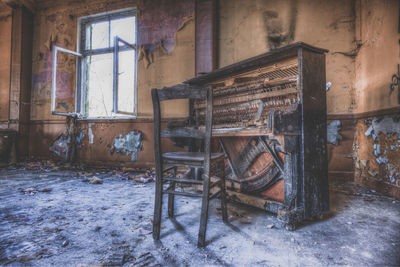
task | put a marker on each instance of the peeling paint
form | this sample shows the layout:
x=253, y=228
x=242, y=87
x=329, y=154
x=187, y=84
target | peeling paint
x=90, y=133
x=328, y=85
x=382, y=160
x=63, y=105
x=79, y=137
x=387, y=125
x=333, y=136
x=60, y=146
x=377, y=150
x=160, y=20
x=393, y=172
x=128, y=144
x=378, y=141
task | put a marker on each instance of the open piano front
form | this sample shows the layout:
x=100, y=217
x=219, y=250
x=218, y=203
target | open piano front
x=270, y=119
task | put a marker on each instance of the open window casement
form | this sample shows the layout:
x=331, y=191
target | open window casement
x=66, y=97
x=65, y=94
x=105, y=77
x=124, y=77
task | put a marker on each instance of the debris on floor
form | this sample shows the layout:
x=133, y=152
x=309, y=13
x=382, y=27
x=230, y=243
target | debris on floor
x=34, y=190
x=79, y=224
x=95, y=180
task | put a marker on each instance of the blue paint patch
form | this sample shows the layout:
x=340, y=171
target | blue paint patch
x=382, y=160
x=333, y=136
x=128, y=144
x=79, y=137
x=377, y=150
x=369, y=131
x=328, y=85
x=63, y=105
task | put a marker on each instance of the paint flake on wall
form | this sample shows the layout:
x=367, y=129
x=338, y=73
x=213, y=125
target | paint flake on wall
x=384, y=136
x=128, y=144
x=333, y=135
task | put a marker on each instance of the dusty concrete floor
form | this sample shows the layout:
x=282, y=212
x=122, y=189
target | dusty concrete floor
x=77, y=223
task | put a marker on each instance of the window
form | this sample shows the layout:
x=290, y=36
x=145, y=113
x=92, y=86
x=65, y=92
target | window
x=105, y=67
x=108, y=46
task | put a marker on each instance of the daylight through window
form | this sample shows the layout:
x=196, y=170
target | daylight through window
x=108, y=77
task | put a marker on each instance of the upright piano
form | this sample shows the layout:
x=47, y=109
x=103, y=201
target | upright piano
x=270, y=119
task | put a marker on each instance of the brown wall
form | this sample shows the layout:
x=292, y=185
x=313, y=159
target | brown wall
x=249, y=28
x=166, y=57
x=361, y=35
x=377, y=154
x=378, y=32
x=363, y=42
x=5, y=63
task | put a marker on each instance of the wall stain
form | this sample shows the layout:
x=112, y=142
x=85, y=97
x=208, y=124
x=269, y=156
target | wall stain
x=128, y=144
x=333, y=136
x=159, y=20
x=277, y=36
x=377, y=154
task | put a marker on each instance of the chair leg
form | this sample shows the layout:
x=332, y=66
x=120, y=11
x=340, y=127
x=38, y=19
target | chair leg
x=204, y=211
x=157, y=208
x=223, y=193
x=171, y=197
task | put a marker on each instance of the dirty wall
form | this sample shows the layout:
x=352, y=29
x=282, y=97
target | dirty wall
x=362, y=39
x=376, y=148
x=272, y=23
x=5, y=63
x=166, y=57
x=248, y=28
x=361, y=36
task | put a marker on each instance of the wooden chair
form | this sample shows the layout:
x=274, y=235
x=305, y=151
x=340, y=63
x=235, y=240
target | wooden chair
x=173, y=160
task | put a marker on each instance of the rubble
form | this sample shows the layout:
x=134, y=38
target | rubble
x=95, y=180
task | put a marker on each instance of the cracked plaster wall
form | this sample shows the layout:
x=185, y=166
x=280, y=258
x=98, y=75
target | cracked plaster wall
x=249, y=28
x=360, y=75
x=378, y=31
x=166, y=57
x=5, y=63
x=376, y=143
x=377, y=154
x=363, y=42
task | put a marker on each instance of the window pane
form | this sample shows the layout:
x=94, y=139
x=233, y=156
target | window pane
x=126, y=81
x=100, y=84
x=97, y=35
x=65, y=83
x=124, y=28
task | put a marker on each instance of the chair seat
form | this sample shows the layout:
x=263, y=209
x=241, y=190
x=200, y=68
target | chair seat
x=190, y=156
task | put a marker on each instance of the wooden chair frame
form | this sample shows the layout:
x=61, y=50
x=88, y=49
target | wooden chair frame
x=189, y=159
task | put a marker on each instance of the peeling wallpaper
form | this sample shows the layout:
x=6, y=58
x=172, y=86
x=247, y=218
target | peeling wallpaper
x=377, y=154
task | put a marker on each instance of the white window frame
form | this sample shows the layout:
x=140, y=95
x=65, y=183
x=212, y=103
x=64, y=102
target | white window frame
x=54, y=82
x=81, y=90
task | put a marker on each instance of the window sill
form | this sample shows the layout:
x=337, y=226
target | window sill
x=107, y=118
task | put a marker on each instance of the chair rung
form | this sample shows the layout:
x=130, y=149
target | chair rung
x=179, y=180
x=215, y=183
x=168, y=169
x=215, y=195
x=182, y=193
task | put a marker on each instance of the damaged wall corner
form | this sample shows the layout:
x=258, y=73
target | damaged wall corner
x=377, y=154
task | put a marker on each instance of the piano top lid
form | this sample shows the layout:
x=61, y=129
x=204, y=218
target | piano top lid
x=255, y=62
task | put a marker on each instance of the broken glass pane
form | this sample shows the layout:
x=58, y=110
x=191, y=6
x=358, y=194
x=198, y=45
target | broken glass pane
x=126, y=81
x=124, y=28
x=97, y=35
x=100, y=83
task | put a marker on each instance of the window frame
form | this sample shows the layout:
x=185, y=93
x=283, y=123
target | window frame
x=82, y=92
x=57, y=49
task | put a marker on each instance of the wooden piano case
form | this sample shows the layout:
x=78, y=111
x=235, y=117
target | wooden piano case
x=270, y=118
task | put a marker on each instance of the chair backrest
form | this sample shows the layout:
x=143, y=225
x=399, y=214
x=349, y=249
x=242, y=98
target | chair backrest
x=183, y=91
